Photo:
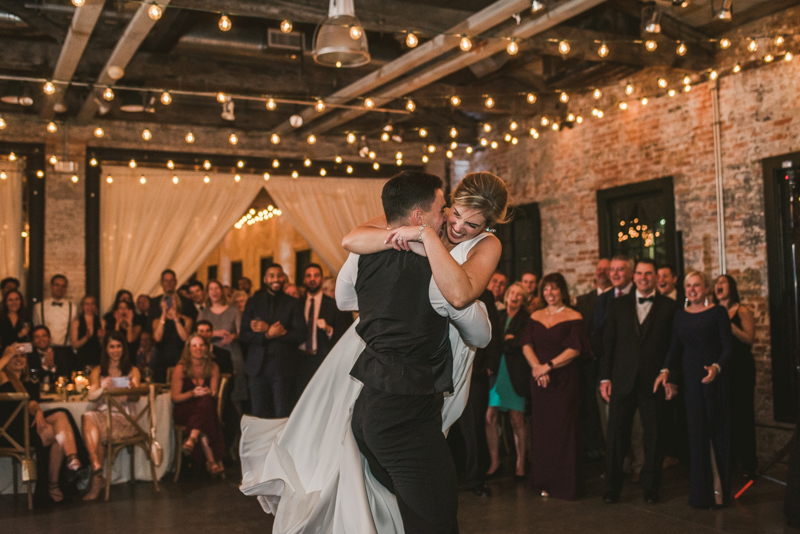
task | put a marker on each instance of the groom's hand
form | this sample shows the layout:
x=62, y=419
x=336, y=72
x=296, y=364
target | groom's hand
x=276, y=330
x=257, y=325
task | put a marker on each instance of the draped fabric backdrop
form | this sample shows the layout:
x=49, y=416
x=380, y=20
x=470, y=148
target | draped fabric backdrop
x=11, y=222
x=146, y=228
x=324, y=210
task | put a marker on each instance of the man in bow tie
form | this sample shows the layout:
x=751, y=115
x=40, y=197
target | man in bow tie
x=636, y=338
x=57, y=313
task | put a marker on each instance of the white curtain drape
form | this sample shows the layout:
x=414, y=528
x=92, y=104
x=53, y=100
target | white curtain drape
x=146, y=228
x=324, y=210
x=11, y=221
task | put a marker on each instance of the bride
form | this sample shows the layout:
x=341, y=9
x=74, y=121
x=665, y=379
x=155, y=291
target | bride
x=307, y=470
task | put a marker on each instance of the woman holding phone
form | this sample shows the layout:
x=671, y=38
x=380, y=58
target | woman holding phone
x=170, y=331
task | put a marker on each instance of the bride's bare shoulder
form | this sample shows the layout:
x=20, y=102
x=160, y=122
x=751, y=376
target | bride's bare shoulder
x=488, y=246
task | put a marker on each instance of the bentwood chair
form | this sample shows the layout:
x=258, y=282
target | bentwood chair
x=20, y=453
x=141, y=421
x=224, y=383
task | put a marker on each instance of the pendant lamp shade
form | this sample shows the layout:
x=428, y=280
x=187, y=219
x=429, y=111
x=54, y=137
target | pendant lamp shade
x=340, y=40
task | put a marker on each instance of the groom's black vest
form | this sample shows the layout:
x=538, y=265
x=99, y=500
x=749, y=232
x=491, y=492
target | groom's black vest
x=408, y=346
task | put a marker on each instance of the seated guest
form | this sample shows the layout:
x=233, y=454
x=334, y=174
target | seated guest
x=15, y=322
x=144, y=355
x=115, y=370
x=123, y=319
x=195, y=383
x=498, y=284
x=197, y=294
x=7, y=284
x=329, y=287
x=245, y=284
x=239, y=300
x=53, y=429
x=47, y=363
x=87, y=331
x=742, y=378
x=512, y=381
x=170, y=332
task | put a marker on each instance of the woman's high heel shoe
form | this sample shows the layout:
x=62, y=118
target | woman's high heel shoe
x=73, y=463
x=96, y=485
x=188, y=445
x=55, y=492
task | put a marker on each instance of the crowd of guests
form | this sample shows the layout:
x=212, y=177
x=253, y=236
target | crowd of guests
x=268, y=342
x=641, y=369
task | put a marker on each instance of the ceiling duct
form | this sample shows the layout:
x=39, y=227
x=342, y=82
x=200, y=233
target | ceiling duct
x=285, y=41
x=341, y=40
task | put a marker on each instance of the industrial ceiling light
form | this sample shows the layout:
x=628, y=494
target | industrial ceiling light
x=132, y=102
x=335, y=44
x=651, y=18
x=725, y=12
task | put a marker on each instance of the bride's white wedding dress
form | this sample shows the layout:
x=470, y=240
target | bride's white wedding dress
x=307, y=470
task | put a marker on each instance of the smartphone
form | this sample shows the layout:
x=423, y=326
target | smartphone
x=168, y=300
x=24, y=348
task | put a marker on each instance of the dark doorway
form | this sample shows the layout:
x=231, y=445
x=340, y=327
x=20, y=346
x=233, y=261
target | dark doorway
x=782, y=218
x=264, y=264
x=236, y=273
x=522, y=242
x=302, y=259
x=213, y=271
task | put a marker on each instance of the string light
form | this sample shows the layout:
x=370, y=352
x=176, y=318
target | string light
x=687, y=88
x=51, y=127
x=449, y=154
x=166, y=98
x=275, y=163
x=175, y=180
x=146, y=134
x=142, y=180
x=752, y=45
x=221, y=97
x=453, y=133
x=53, y=160
x=385, y=136
x=110, y=179
x=190, y=138
x=597, y=94
x=623, y=106
x=681, y=50
x=453, y=145
x=724, y=43
x=98, y=132
x=286, y=26
x=93, y=162
x=351, y=138
x=483, y=141
x=275, y=139
x=545, y=121
x=512, y=47
x=240, y=164
x=662, y=83
x=369, y=103
x=12, y=157
x=233, y=139
x=74, y=178
x=3, y=175
x=629, y=89
x=513, y=126
x=563, y=48
x=411, y=40
x=311, y=139
x=563, y=97
x=579, y=119
x=469, y=150
x=507, y=138
x=514, y=141
x=237, y=178
x=78, y=3
x=423, y=132
x=295, y=174
x=170, y=164
x=650, y=45
x=49, y=88
x=349, y=168
x=399, y=155
x=206, y=165
x=155, y=12
x=431, y=148
x=737, y=68
x=687, y=80
x=712, y=75
x=489, y=102
x=465, y=44
x=779, y=40
x=555, y=126
x=132, y=164
x=355, y=32
x=537, y=5
x=671, y=92
x=271, y=105
x=494, y=145
x=571, y=117
x=2, y=123
x=531, y=98
x=206, y=178
x=487, y=127
x=787, y=57
x=372, y=154
x=410, y=105
x=376, y=166
x=320, y=106
x=768, y=58
x=225, y=23
x=603, y=50
x=454, y=100
x=338, y=159
x=424, y=158
x=108, y=94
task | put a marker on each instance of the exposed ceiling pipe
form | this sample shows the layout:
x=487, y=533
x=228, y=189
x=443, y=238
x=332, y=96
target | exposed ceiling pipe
x=474, y=25
x=527, y=29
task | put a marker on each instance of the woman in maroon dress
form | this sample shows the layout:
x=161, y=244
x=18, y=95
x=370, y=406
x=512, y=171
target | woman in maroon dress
x=553, y=338
x=194, y=387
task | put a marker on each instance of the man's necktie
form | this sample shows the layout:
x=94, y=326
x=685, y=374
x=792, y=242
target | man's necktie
x=310, y=327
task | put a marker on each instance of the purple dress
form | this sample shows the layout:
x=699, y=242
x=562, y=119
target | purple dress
x=556, y=465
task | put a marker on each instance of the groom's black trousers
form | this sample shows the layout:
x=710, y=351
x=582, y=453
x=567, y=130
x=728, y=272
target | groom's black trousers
x=401, y=438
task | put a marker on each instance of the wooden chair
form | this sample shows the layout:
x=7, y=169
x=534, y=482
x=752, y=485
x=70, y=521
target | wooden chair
x=224, y=384
x=142, y=438
x=19, y=453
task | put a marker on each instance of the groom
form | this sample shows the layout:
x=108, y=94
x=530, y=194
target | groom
x=407, y=365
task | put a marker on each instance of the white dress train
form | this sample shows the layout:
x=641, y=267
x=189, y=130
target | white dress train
x=307, y=470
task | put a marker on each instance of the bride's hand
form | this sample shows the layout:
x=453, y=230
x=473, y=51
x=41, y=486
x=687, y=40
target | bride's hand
x=400, y=238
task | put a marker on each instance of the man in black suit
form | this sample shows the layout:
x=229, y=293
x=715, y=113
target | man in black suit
x=667, y=283
x=636, y=339
x=168, y=284
x=221, y=356
x=325, y=324
x=272, y=328
x=45, y=360
x=591, y=429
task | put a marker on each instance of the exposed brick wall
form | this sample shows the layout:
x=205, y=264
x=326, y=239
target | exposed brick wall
x=562, y=171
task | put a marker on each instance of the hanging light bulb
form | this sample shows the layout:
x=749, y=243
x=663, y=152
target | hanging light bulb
x=779, y=40
x=110, y=179
x=154, y=11
x=494, y=144
x=787, y=57
x=166, y=98
x=681, y=50
x=453, y=133
x=275, y=163
x=662, y=83
x=687, y=88
x=768, y=58
x=671, y=92
x=629, y=89
x=603, y=50
x=385, y=136
x=320, y=106
x=449, y=154
x=206, y=179
x=206, y=165
x=2, y=123
x=132, y=164
x=142, y=180
x=49, y=88
x=170, y=164
x=563, y=97
x=563, y=48
x=286, y=26
x=752, y=45
x=513, y=126
x=323, y=172
x=737, y=68
x=537, y=5
x=512, y=47
x=411, y=40
x=372, y=154
x=307, y=162
x=311, y=139
x=271, y=105
x=465, y=44
x=376, y=165
x=351, y=138
x=454, y=100
x=12, y=157
x=423, y=132
x=410, y=105
x=597, y=94
x=469, y=150
x=556, y=126
x=190, y=138
x=570, y=117
x=600, y=113
x=222, y=97
x=514, y=140
x=51, y=127
x=489, y=102
x=225, y=23
x=146, y=134
x=487, y=127
x=349, y=169
x=483, y=141
x=424, y=158
x=355, y=32
x=108, y=94
x=431, y=148
x=650, y=45
x=98, y=132
x=507, y=138
x=53, y=160
x=453, y=145
x=93, y=162
x=623, y=106
x=175, y=180
x=275, y=139
x=712, y=75
x=78, y=3
x=399, y=155
x=233, y=139
x=338, y=159
x=531, y=98
x=579, y=119
x=74, y=178
x=724, y=43
x=545, y=121
x=687, y=80
x=237, y=178
x=369, y=103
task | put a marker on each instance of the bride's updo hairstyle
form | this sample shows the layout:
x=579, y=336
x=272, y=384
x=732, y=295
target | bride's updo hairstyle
x=485, y=193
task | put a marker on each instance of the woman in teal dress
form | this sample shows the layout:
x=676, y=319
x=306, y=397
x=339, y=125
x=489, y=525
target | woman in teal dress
x=511, y=386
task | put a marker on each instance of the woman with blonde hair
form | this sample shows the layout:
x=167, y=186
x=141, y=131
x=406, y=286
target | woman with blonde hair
x=225, y=321
x=702, y=344
x=195, y=383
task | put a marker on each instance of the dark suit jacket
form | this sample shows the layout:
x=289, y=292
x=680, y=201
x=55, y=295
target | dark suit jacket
x=631, y=350
x=519, y=370
x=339, y=320
x=271, y=308
x=489, y=356
x=62, y=361
x=222, y=358
x=187, y=309
x=585, y=304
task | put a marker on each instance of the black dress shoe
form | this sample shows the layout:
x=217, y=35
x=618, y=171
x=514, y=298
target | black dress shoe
x=610, y=497
x=651, y=497
x=481, y=490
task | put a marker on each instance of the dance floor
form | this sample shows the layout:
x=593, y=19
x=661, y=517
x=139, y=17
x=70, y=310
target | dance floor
x=198, y=505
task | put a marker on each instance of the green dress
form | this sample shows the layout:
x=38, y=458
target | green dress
x=502, y=394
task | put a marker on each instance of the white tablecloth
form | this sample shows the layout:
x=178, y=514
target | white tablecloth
x=121, y=470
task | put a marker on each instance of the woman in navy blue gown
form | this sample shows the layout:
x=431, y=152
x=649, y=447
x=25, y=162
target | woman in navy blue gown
x=699, y=359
